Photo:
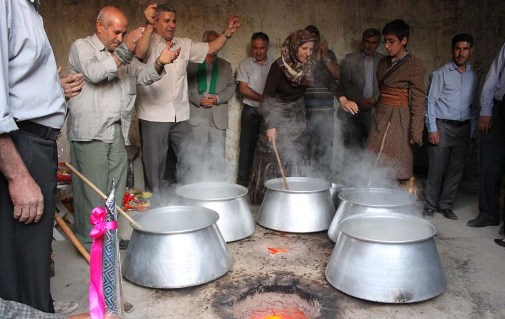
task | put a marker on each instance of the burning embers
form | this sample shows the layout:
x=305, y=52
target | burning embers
x=278, y=296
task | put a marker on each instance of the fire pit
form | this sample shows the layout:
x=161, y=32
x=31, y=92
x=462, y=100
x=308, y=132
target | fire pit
x=277, y=296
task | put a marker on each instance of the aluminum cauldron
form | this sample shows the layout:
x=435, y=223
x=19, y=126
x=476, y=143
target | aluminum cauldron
x=179, y=246
x=377, y=200
x=306, y=207
x=389, y=258
x=228, y=200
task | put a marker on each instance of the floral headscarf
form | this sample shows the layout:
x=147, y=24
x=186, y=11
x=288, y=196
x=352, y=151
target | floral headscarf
x=295, y=71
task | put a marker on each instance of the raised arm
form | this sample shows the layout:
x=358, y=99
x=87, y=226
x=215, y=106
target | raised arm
x=219, y=42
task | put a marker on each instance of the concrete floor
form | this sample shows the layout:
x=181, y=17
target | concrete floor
x=473, y=264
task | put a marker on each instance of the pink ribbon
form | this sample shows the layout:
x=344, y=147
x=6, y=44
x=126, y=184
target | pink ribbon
x=96, y=300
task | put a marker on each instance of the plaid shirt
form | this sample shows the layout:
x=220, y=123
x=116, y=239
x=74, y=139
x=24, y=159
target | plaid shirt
x=15, y=310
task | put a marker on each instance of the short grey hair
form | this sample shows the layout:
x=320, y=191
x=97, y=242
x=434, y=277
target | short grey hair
x=207, y=33
x=164, y=7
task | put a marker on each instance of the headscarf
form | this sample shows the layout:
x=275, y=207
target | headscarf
x=295, y=71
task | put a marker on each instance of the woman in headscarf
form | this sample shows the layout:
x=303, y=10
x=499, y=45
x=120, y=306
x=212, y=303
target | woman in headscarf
x=283, y=110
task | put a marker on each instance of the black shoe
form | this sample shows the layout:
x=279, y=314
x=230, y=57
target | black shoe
x=123, y=244
x=500, y=242
x=448, y=213
x=428, y=212
x=479, y=222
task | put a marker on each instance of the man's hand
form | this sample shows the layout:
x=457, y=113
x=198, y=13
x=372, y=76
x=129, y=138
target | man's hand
x=208, y=101
x=434, y=138
x=71, y=83
x=168, y=56
x=233, y=25
x=484, y=124
x=27, y=199
x=272, y=135
x=133, y=37
x=150, y=14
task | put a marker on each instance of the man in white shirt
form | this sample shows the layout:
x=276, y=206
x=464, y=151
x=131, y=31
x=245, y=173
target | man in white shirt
x=163, y=107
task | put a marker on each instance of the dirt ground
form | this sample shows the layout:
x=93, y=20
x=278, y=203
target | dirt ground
x=293, y=265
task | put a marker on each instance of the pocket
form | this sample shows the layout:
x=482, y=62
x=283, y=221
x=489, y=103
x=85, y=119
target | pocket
x=180, y=67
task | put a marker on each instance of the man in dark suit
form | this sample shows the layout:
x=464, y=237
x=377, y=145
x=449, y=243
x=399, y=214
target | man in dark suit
x=359, y=81
x=211, y=86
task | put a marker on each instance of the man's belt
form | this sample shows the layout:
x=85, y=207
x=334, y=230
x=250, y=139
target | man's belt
x=454, y=122
x=42, y=131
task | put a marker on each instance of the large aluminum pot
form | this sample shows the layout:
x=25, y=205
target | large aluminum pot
x=307, y=206
x=228, y=200
x=179, y=246
x=388, y=258
x=376, y=200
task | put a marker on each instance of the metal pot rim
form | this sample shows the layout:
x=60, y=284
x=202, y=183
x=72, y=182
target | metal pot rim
x=324, y=185
x=392, y=216
x=188, y=191
x=344, y=193
x=212, y=218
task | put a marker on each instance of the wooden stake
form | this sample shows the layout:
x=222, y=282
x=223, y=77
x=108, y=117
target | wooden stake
x=71, y=236
x=99, y=192
x=284, y=180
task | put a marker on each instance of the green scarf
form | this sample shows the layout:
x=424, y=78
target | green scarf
x=202, y=78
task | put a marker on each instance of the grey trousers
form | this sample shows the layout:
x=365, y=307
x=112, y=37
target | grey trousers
x=209, y=162
x=446, y=164
x=99, y=162
x=156, y=138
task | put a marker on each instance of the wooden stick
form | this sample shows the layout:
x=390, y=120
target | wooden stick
x=99, y=192
x=284, y=181
x=71, y=236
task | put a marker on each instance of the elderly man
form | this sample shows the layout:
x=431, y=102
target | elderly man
x=251, y=77
x=32, y=111
x=450, y=108
x=211, y=86
x=360, y=84
x=100, y=116
x=163, y=107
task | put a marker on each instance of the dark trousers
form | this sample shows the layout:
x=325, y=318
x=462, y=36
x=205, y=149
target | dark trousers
x=25, y=250
x=492, y=162
x=156, y=137
x=250, y=124
x=446, y=164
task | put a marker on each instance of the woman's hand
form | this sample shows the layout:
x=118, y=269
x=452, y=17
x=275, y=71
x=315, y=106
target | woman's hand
x=348, y=106
x=272, y=135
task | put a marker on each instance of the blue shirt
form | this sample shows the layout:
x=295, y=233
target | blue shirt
x=30, y=88
x=494, y=86
x=452, y=95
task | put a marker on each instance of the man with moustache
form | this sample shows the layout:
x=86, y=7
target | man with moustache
x=163, y=107
x=211, y=86
x=450, y=109
x=99, y=117
x=360, y=84
x=251, y=77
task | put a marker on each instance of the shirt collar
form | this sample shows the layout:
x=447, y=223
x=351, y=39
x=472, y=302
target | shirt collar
x=266, y=61
x=453, y=66
x=96, y=41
